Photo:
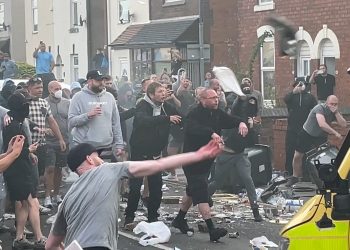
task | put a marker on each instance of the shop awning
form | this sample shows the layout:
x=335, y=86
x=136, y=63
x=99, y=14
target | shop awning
x=158, y=34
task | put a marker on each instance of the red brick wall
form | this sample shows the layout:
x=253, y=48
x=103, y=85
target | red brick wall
x=279, y=135
x=236, y=21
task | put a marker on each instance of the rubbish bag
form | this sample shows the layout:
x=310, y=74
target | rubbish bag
x=155, y=233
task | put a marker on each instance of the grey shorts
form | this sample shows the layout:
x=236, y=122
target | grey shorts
x=55, y=157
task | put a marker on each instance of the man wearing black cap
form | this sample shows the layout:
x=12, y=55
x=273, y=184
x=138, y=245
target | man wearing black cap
x=21, y=177
x=93, y=116
x=89, y=211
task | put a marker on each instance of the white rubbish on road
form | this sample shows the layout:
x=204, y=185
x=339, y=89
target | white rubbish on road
x=155, y=233
x=262, y=242
x=165, y=188
x=51, y=219
x=9, y=216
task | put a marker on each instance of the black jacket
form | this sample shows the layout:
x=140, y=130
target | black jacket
x=200, y=124
x=22, y=169
x=299, y=106
x=150, y=133
x=244, y=108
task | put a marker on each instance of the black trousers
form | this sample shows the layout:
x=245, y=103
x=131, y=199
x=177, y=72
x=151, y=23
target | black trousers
x=155, y=191
x=290, y=144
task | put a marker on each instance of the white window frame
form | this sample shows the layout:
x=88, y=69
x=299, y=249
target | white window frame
x=267, y=69
x=74, y=13
x=301, y=68
x=35, y=16
x=124, y=17
x=2, y=15
x=173, y=2
x=304, y=56
x=264, y=6
x=74, y=67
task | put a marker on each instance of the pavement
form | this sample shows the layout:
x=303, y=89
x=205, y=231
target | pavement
x=229, y=211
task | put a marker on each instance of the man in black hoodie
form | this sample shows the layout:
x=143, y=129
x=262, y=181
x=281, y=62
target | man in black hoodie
x=149, y=137
x=7, y=90
x=299, y=103
x=203, y=123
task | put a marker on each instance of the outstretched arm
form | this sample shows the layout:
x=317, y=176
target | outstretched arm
x=144, y=168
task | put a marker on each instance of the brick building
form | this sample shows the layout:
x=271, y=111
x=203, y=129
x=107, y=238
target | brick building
x=322, y=35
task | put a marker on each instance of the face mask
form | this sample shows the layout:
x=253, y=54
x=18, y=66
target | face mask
x=58, y=94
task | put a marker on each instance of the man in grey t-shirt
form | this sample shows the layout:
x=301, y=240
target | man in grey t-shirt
x=315, y=131
x=89, y=211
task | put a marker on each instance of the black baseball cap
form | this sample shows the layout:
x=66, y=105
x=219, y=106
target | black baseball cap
x=77, y=155
x=95, y=74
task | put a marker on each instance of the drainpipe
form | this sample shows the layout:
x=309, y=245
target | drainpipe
x=201, y=45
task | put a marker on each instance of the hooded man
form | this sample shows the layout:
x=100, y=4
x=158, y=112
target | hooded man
x=7, y=90
x=93, y=116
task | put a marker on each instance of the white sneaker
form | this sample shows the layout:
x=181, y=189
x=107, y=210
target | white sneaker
x=71, y=178
x=56, y=200
x=48, y=202
x=44, y=210
x=170, y=177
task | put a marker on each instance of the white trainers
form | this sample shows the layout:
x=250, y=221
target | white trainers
x=72, y=177
x=170, y=177
x=48, y=202
x=44, y=210
x=56, y=200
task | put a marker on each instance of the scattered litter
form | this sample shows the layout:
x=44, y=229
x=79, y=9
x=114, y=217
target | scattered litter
x=51, y=219
x=9, y=216
x=190, y=233
x=165, y=188
x=233, y=235
x=171, y=199
x=221, y=216
x=258, y=192
x=262, y=242
x=155, y=232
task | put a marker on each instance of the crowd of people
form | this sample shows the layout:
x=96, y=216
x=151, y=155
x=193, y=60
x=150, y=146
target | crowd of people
x=166, y=125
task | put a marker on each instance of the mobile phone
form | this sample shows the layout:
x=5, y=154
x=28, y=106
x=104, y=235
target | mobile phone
x=169, y=86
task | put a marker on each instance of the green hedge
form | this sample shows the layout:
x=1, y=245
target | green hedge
x=24, y=70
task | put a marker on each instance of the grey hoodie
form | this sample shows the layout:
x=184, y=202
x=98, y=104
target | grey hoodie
x=102, y=131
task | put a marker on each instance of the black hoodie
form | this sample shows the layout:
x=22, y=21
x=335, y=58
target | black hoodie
x=299, y=106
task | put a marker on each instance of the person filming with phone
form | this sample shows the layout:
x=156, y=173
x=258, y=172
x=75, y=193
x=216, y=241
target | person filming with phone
x=325, y=83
